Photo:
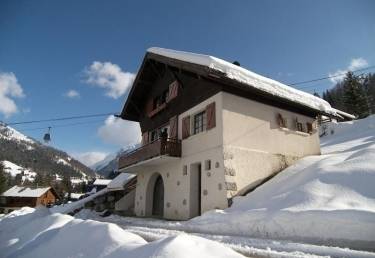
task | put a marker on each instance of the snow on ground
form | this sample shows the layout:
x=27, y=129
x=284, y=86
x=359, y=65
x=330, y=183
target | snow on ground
x=62, y=161
x=320, y=202
x=14, y=170
x=154, y=229
x=328, y=198
x=43, y=233
x=10, y=133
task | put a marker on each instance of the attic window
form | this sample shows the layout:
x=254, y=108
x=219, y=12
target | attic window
x=281, y=121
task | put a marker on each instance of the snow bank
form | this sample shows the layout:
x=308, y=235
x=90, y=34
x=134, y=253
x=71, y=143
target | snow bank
x=245, y=76
x=321, y=198
x=43, y=234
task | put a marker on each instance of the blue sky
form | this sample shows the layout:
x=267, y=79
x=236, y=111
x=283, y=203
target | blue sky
x=53, y=47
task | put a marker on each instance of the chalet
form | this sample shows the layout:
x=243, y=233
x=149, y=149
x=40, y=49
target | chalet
x=211, y=130
x=20, y=196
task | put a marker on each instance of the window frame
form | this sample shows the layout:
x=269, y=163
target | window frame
x=199, y=126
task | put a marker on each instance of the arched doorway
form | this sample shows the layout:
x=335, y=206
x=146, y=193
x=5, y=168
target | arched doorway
x=158, y=198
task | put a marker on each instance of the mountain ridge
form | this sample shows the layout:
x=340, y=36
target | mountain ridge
x=36, y=156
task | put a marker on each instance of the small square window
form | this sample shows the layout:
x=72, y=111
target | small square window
x=299, y=127
x=184, y=170
x=207, y=164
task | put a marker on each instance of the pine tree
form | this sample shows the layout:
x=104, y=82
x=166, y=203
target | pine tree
x=66, y=185
x=355, y=99
x=3, y=179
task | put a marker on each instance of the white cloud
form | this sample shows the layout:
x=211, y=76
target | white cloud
x=120, y=132
x=72, y=94
x=355, y=64
x=9, y=89
x=109, y=77
x=90, y=158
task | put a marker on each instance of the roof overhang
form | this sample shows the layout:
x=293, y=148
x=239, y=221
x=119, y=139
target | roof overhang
x=132, y=110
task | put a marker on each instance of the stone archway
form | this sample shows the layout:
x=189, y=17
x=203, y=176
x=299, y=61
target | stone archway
x=155, y=196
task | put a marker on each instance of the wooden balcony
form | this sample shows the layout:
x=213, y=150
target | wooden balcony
x=160, y=147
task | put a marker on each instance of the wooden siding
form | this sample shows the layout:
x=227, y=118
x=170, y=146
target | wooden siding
x=190, y=91
x=47, y=198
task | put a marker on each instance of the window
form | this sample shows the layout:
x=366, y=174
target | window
x=299, y=127
x=281, y=121
x=154, y=135
x=199, y=122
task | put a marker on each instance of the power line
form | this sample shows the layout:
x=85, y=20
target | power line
x=320, y=85
x=60, y=119
x=60, y=125
x=329, y=77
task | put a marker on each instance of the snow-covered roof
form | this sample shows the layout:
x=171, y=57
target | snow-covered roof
x=344, y=114
x=20, y=191
x=249, y=78
x=76, y=195
x=118, y=182
x=102, y=181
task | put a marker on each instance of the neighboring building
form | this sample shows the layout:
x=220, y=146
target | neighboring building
x=118, y=197
x=211, y=130
x=100, y=184
x=20, y=196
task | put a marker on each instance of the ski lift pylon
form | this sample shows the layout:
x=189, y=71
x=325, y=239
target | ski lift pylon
x=47, y=136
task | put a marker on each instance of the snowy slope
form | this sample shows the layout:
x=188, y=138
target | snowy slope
x=10, y=133
x=14, y=170
x=20, y=149
x=43, y=233
x=321, y=198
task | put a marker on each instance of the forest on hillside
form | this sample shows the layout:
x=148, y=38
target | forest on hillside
x=355, y=94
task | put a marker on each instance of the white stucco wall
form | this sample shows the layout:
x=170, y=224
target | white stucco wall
x=245, y=147
x=197, y=148
x=254, y=145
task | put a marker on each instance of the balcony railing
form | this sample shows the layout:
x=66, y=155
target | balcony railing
x=160, y=147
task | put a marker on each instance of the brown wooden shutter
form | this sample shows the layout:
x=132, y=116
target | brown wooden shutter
x=309, y=127
x=185, y=127
x=211, y=117
x=145, y=138
x=173, y=127
x=173, y=90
